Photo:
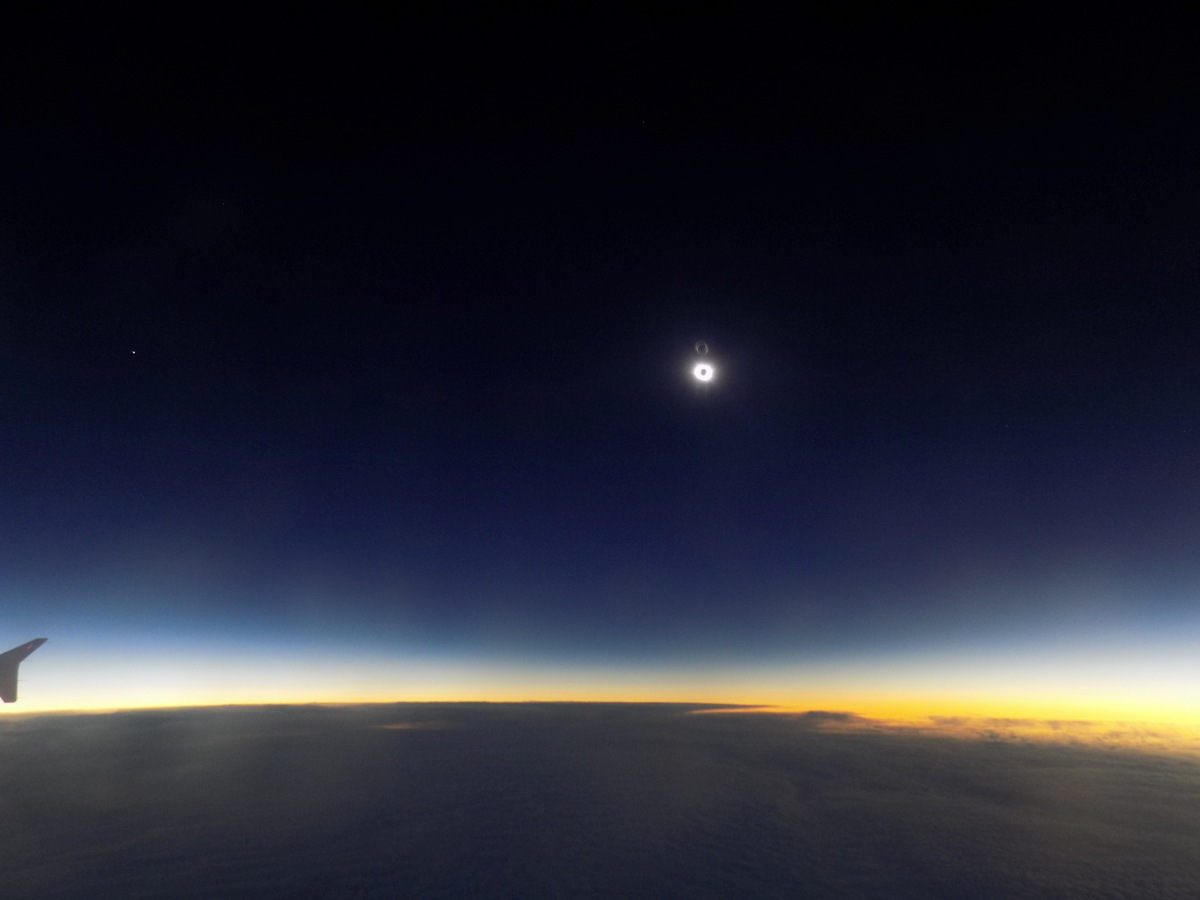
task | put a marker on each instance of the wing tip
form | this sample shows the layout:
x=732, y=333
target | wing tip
x=9, y=663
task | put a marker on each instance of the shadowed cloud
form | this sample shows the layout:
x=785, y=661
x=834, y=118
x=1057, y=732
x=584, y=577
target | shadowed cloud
x=580, y=800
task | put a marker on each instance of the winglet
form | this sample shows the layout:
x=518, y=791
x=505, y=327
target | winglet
x=8, y=668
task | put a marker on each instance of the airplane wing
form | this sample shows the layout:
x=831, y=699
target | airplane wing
x=8, y=668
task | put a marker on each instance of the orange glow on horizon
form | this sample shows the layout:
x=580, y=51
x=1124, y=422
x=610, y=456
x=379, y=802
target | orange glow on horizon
x=1112, y=728
x=894, y=708
x=1135, y=685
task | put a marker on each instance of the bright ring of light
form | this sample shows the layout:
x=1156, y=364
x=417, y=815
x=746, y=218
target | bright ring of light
x=703, y=372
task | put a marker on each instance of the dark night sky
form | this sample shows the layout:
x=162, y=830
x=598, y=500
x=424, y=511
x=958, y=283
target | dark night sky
x=368, y=327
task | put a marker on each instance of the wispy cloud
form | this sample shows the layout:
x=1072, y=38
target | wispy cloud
x=1149, y=736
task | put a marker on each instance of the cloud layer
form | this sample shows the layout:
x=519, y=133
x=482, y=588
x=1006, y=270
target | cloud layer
x=581, y=800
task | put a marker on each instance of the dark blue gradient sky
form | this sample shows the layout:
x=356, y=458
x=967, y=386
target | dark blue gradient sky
x=369, y=331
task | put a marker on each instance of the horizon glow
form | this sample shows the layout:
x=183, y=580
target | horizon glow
x=1119, y=682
